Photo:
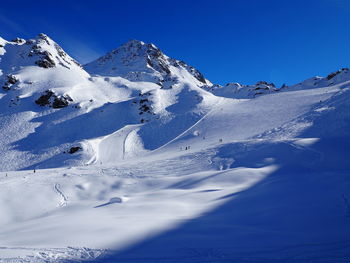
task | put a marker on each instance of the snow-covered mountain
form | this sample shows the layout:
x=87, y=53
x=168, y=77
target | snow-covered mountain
x=39, y=78
x=140, y=154
x=138, y=61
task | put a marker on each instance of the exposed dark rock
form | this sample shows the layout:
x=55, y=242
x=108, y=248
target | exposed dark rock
x=154, y=51
x=262, y=88
x=6, y=87
x=149, y=62
x=46, y=62
x=333, y=74
x=145, y=108
x=51, y=99
x=44, y=99
x=74, y=149
x=18, y=40
x=199, y=76
x=30, y=41
x=44, y=37
x=164, y=67
x=60, y=102
x=12, y=79
x=144, y=105
x=265, y=83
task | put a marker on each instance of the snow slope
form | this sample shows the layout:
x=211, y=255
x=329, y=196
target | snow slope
x=48, y=103
x=171, y=168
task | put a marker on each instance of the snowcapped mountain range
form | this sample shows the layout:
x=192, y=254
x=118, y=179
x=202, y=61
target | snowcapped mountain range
x=150, y=134
x=134, y=97
x=133, y=85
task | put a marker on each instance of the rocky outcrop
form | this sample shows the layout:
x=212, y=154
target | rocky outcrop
x=74, y=149
x=46, y=60
x=144, y=106
x=11, y=80
x=49, y=98
x=18, y=40
x=333, y=74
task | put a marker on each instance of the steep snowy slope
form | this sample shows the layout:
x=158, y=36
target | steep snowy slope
x=41, y=88
x=49, y=102
x=264, y=179
x=150, y=162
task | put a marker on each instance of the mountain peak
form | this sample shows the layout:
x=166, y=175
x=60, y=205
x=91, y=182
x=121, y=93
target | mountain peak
x=134, y=42
x=139, y=61
x=138, y=48
x=41, y=51
x=43, y=36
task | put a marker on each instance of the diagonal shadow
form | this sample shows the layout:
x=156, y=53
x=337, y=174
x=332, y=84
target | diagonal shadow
x=296, y=214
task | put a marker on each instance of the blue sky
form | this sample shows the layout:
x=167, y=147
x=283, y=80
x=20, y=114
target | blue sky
x=283, y=41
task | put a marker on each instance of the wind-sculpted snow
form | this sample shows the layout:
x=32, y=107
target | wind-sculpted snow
x=145, y=160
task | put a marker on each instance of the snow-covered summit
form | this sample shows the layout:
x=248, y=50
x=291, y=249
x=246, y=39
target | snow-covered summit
x=40, y=51
x=139, y=61
x=34, y=67
x=57, y=105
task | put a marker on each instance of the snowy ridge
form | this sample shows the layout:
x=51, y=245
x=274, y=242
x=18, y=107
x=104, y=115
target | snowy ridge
x=238, y=91
x=334, y=78
x=136, y=157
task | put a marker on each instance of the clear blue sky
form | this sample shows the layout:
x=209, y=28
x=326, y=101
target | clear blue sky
x=228, y=40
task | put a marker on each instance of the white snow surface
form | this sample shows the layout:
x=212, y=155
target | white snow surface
x=167, y=167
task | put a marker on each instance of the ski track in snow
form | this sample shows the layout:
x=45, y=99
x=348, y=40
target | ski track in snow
x=64, y=199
